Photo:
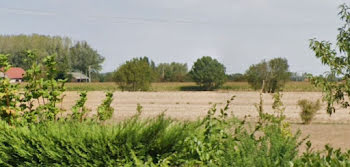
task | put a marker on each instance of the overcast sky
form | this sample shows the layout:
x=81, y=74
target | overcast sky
x=236, y=32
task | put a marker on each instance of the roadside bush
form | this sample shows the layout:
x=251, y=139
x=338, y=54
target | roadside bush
x=308, y=110
x=208, y=73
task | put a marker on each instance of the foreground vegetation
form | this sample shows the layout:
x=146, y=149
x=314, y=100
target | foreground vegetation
x=219, y=139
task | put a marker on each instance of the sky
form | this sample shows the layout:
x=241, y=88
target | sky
x=238, y=33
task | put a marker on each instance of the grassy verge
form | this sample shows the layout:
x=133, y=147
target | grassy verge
x=187, y=86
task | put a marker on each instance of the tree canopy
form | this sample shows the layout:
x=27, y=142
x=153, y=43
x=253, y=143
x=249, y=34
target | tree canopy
x=208, y=73
x=171, y=72
x=135, y=75
x=337, y=58
x=274, y=73
x=70, y=56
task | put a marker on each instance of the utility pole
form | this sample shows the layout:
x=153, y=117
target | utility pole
x=89, y=73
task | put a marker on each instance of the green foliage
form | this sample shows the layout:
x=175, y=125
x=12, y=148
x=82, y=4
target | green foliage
x=79, y=110
x=135, y=75
x=172, y=72
x=328, y=157
x=104, y=77
x=208, y=73
x=274, y=72
x=8, y=93
x=237, y=77
x=216, y=140
x=39, y=99
x=82, y=56
x=337, y=58
x=105, y=111
x=308, y=110
x=70, y=56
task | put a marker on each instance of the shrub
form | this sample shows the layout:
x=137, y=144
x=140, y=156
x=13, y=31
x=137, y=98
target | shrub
x=274, y=72
x=308, y=110
x=79, y=110
x=135, y=75
x=105, y=111
x=208, y=73
x=216, y=140
x=172, y=72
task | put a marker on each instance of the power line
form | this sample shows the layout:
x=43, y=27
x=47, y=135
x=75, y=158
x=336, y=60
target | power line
x=141, y=20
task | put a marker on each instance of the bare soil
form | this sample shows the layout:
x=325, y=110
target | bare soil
x=324, y=129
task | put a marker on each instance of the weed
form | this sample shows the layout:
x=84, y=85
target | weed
x=105, y=111
x=308, y=110
x=79, y=110
x=139, y=108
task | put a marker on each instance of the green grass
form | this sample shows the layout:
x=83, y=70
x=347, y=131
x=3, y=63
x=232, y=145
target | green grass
x=186, y=86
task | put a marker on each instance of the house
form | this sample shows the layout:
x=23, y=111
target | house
x=79, y=77
x=15, y=74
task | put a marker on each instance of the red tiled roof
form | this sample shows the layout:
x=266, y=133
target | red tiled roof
x=15, y=73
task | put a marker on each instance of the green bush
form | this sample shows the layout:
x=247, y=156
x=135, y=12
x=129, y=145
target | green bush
x=171, y=72
x=135, y=75
x=274, y=73
x=216, y=140
x=105, y=111
x=308, y=110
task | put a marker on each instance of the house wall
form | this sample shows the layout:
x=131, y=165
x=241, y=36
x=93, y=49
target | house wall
x=16, y=80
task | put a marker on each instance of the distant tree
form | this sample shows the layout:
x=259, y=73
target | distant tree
x=69, y=56
x=208, y=73
x=275, y=74
x=82, y=56
x=337, y=58
x=173, y=72
x=135, y=75
x=237, y=77
x=297, y=77
x=105, y=77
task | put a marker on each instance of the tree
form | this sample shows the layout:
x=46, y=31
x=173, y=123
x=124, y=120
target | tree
x=208, y=73
x=237, y=77
x=83, y=56
x=274, y=73
x=338, y=60
x=173, y=72
x=136, y=74
x=69, y=56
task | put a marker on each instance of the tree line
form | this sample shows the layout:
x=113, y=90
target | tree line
x=139, y=73
x=70, y=56
x=209, y=74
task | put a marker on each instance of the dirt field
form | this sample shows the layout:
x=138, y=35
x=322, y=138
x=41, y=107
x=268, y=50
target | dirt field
x=191, y=105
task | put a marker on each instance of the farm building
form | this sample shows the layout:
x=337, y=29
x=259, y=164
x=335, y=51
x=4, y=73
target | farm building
x=79, y=77
x=15, y=74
